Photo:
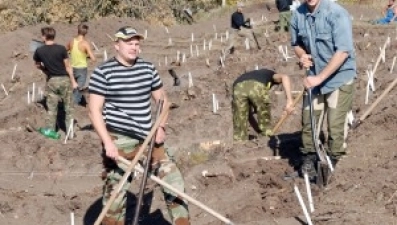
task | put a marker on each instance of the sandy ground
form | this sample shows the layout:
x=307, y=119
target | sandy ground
x=43, y=181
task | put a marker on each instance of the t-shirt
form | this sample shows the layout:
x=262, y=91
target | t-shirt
x=127, y=91
x=52, y=57
x=264, y=76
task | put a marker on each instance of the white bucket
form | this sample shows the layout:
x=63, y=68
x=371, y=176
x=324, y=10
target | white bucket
x=34, y=44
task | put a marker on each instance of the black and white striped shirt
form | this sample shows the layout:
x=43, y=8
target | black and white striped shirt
x=127, y=91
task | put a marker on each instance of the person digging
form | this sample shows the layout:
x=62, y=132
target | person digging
x=252, y=89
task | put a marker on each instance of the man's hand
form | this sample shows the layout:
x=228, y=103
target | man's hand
x=160, y=135
x=111, y=150
x=312, y=81
x=74, y=85
x=306, y=61
x=289, y=107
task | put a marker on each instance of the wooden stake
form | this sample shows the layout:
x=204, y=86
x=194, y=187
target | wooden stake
x=4, y=89
x=93, y=44
x=166, y=30
x=105, y=55
x=71, y=218
x=392, y=65
x=145, y=36
x=13, y=71
x=191, y=50
x=192, y=37
x=303, y=206
x=209, y=45
x=309, y=192
x=190, y=80
x=285, y=116
x=197, y=51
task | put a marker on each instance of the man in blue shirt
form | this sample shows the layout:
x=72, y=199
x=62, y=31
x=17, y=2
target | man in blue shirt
x=321, y=34
x=240, y=28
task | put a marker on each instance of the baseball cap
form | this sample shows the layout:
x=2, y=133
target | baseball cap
x=127, y=33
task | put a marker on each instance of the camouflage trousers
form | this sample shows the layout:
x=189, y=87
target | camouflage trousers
x=58, y=88
x=235, y=35
x=336, y=105
x=284, y=21
x=245, y=94
x=162, y=165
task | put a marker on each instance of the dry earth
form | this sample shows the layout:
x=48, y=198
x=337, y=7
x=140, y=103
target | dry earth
x=43, y=181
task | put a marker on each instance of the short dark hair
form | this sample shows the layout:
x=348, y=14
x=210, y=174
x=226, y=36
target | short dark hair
x=82, y=29
x=48, y=32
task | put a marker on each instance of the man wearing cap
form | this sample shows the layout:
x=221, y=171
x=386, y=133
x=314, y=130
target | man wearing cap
x=240, y=28
x=322, y=37
x=253, y=89
x=120, y=92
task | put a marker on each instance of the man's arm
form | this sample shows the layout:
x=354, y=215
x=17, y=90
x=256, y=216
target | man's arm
x=286, y=82
x=95, y=107
x=88, y=50
x=70, y=73
x=68, y=46
x=157, y=95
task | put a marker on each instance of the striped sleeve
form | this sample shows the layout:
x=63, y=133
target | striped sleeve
x=156, y=81
x=98, y=83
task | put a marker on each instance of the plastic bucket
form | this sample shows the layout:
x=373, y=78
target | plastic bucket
x=34, y=44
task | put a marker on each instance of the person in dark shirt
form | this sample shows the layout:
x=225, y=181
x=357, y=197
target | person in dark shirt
x=283, y=7
x=53, y=60
x=253, y=89
x=240, y=28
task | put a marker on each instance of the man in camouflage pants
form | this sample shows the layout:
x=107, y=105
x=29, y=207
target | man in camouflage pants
x=253, y=89
x=53, y=60
x=120, y=110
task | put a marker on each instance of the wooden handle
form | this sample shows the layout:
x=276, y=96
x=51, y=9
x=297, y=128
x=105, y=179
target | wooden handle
x=376, y=102
x=130, y=168
x=179, y=193
x=285, y=116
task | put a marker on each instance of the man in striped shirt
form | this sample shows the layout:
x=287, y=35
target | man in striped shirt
x=120, y=110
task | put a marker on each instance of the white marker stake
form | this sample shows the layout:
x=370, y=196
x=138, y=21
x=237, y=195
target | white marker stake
x=392, y=65
x=33, y=92
x=204, y=44
x=184, y=57
x=190, y=80
x=166, y=30
x=105, y=55
x=213, y=103
x=93, y=44
x=68, y=133
x=4, y=89
x=370, y=75
x=303, y=206
x=222, y=64
x=191, y=50
x=227, y=35
x=71, y=218
x=217, y=105
x=209, y=45
x=256, y=67
x=350, y=117
x=247, y=44
x=382, y=54
x=221, y=38
x=309, y=192
x=216, y=36
x=13, y=71
x=192, y=37
x=197, y=51
x=28, y=97
x=165, y=60
x=169, y=41
x=145, y=36
x=214, y=28
x=367, y=94
x=178, y=54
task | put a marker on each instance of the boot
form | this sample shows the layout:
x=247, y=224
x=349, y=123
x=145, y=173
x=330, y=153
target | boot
x=308, y=165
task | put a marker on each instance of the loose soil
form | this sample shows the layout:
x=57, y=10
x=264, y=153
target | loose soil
x=43, y=181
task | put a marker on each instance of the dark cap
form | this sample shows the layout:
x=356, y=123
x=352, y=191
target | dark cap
x=127, y=33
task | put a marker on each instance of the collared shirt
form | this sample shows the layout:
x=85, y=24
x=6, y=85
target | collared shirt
x=322, y=33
